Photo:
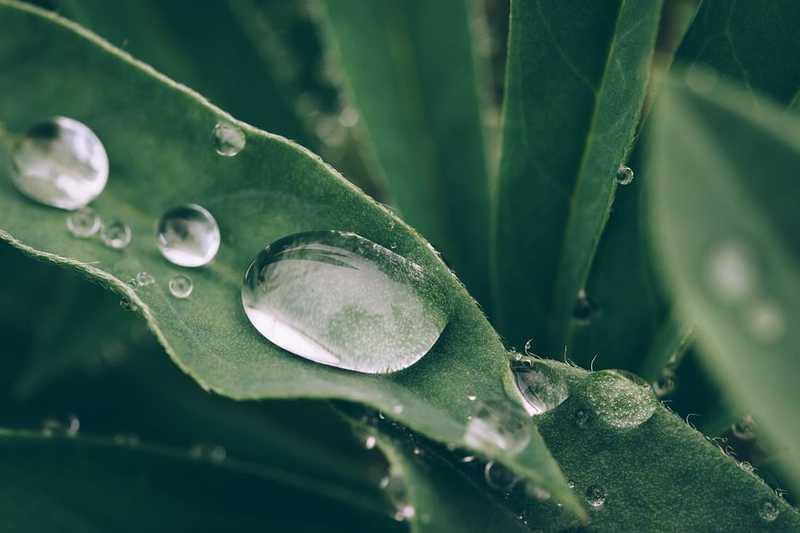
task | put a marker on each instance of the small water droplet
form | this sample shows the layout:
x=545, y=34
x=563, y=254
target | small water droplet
x=181, y=286
x=471, y=397
x=127, y=304
x=746, y=466
x=229, y=140
x=116, y=234
x=60, y=163
x=571, y=483
x=70, y=428
x=417, y=450
x=397, y=409
x=619, y=399
x=584, y=308
x=497, y=425
x=665, y=384
x=624, y=175
x=744, y=429
x=541, y=386
x=83, y=223
x=467, y=458
x=768, y=511
x=341, y=300
x=596, y=496
x=188, y=236
x=394, y=486
x=143, y=279
x=582, y=417
x=499, y=477
x=370, y=442
x=730, y=272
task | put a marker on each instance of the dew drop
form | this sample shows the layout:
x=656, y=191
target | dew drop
x=624, y=175
x=143, y=279
x=620, y=399
x=744, y=429
x=471, y=397
x=394, y=486
x=83, y=223
x=60, y=163
x=746, y=466
x=497, y=425
x=229, y=140
x=665, y=384
x=127, y=304
x=181, y=286
x=768, y=511
x=467, y=458
x=341, y=300
x=596, y=496
x=188, y=236
x=116, y=234
x=370, y=442
x=540, y=385
x=499, y=477
x=584, y=308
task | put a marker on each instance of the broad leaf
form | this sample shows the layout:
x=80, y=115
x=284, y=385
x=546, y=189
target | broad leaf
x=576, y=79
x=94, y=485
x=158, y=136
x=754, y=43
x=409, y=68
x=723, y=192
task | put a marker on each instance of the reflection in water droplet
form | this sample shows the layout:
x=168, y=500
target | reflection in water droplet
x=499, y=477
x=116, y=234
x=625, y=175
x=60, y=163
x=768, y=511
x=229, y=140
x=744, y=429
x=188, y=236
x=497, y=425
x=619, y=399
x=342, y=300
x=596, y=496
x=83, y=223
x=181, y=286
x=541, y=386
x=730, y=273
x=584, y=308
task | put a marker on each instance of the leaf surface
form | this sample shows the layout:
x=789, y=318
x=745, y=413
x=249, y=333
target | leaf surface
x=158, y=137
x=575, y=82
x=723, y=216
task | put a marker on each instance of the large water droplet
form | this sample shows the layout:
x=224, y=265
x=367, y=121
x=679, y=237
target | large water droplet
x=83, y=223
x=768, y=511
x=181, y=286
x=60, y=163
x=540, y=385
x=620, y=399
x=625, y=175
x=341, y=300
x=116, y=234
x=188, y=236
x=497, y=425
x=596, y=496
x=229, y=140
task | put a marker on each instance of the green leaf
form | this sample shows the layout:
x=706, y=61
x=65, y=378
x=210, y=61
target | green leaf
x=93, y=485
x=576, y=79
x=207, y=51
x=723, y=189
x=755, y=43
x=659, y=476
x=409, y=69
x=157, y=135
